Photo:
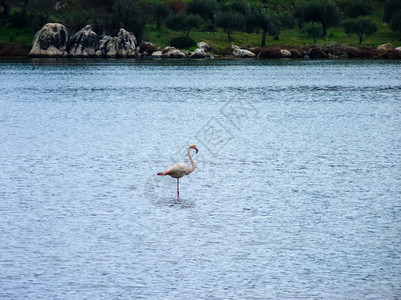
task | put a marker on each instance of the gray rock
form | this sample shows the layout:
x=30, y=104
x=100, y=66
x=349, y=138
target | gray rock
x=107, y=47
x=84, y=43
x=398, y=48
x=205, y=46
x=171, y=52
x=198, y=53
x=126, y=43
x=157, y=54
x=123, y=45
x=243, y=53
x=50, y=41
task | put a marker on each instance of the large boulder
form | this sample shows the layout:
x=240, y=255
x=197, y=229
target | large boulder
x=50, y=41
x=126, y=43
x=107, y=47
x=242, y=53
x=171, y=52
x=84, y=43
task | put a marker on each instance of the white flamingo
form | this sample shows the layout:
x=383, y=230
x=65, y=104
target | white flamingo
x=179, y=170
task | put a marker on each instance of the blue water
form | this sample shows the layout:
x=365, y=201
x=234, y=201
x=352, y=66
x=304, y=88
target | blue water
x=296, y=194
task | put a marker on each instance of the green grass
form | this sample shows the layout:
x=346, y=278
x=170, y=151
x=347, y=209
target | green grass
x=218, y=40
x=20, y=36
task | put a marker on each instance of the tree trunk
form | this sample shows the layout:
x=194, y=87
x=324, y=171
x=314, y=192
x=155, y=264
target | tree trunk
x=5, y=8
x=324, y=30
x=360, y=39
x=158, y=22
x=264, y=33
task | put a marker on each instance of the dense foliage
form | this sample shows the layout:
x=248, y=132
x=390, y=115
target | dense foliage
x=361, y=26
x=264, y=17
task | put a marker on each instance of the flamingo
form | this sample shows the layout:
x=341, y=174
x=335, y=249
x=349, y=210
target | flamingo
x=179, y=170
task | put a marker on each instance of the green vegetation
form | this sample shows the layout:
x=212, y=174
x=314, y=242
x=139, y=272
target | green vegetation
x=361, y=26
x=251, y=23
x=313, y=30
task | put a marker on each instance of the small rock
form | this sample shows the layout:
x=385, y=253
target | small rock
x=398, y=49
x=385, y=47
x=285, y=53
x=316, y=53
x=205, y=46
x=198, y=53
x=296, y=54
x=146, y=49
x=242, y=53
x=171, y=52
x=156, y=54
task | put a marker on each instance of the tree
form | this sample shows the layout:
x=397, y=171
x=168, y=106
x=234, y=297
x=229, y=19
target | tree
x=322, y=12
x=129, y=15
x=177, y=6
x=361, y=26
x=313, y=30
x=262, y=21
x=392, y=14
x=160, y=10
x=230, y=21
x=357, y=8
x=204, y=8
x=40, y=11
x=275, y=26
x=395, y=23
x=4, y=7
x=240, y=6
x=184, y=23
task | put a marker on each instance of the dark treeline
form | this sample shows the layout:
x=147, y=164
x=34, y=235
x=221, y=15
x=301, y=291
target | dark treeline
x=265, y=17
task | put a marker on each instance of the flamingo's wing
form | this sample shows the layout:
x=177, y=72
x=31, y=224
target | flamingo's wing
x=177, y=170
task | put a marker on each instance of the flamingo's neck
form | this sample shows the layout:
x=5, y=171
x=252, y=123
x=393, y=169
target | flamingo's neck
x=192, y=161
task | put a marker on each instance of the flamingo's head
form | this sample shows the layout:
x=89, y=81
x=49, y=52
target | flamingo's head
x=193, y=147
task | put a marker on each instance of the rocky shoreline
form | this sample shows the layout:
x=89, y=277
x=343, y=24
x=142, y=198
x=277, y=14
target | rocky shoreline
x=53, y=41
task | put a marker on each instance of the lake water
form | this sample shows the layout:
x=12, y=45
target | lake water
x=296, y=194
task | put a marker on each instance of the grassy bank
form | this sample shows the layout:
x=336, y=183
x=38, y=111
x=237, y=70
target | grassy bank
x=218, y=40
x=17, y=40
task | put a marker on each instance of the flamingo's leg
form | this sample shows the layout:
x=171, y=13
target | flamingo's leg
x=178, y=188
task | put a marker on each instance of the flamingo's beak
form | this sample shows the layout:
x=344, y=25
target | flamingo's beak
x=196, y=149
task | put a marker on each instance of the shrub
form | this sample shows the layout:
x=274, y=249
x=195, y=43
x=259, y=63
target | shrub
x=182, y=42
x=361, y=26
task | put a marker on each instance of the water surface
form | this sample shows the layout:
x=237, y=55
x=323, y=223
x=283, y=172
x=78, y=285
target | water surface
x=296, y=193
